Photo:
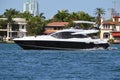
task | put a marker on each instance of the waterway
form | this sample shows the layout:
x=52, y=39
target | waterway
x=19, y=64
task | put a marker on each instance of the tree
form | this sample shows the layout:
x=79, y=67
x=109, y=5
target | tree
x=84, y=16
x=10, y=13
x=99, y=12
x=25, y=15
x=41, y=16
x=3, y=24
x=73, y=16
x=62, y=15
x=35, y=25
x=1, y=16
x=81, y=16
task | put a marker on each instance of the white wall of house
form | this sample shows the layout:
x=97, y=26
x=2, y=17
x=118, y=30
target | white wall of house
x=117, y=28
x=21, y=32
x=105, y=31
x=105, y=34
x=116, y=19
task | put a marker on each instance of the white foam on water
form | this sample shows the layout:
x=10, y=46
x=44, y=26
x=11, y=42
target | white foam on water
x=112, y=48
x=100, y=48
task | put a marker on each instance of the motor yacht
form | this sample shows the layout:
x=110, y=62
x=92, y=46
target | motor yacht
x=67, y=39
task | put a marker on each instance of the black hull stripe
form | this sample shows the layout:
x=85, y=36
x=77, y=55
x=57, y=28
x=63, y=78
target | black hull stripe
x=59, y=45
x=51, y=48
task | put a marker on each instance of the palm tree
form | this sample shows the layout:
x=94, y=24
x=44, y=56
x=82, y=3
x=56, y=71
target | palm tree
x=74, y=16
x=41, y=16
x=10, y=13
x=25, y=15
x=3, y=24
x=84, y=16
x=62, y=15
x=99, y=12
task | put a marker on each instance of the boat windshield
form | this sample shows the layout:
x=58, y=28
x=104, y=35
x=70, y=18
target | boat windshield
x=67, y=35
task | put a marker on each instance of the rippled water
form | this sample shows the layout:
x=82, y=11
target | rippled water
x=18, y=64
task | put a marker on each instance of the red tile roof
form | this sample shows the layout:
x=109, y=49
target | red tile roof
x=57, y=24
x=110, y=23
x=106, y=22
x=116, y=16
x=49, y=31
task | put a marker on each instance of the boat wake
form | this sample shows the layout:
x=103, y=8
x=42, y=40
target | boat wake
x=112, y=48
x=109, y=48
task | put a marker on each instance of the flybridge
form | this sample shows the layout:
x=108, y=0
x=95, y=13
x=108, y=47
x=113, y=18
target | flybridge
x=87, y=22
x=86, y=32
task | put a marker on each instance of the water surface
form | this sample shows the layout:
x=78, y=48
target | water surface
x=18, y=64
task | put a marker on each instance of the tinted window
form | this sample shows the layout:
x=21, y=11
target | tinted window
x=67, y=35
x=79, y=36
x=63, y=35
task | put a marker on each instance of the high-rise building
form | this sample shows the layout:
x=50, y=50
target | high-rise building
x=32, y=7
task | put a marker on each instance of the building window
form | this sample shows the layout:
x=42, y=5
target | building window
x=22, y=26
x=106, y=35
x=106, y=26
x=116, y=19
x=55, y=28
x=114, y=28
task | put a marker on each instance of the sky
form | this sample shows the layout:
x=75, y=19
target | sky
x=51, y=7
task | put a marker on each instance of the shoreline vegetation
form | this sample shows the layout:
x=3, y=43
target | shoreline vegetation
x=9, y=42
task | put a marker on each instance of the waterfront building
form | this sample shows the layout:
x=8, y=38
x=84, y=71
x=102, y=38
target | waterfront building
x=54, y=26
x=18, y=29
x=31, y=6
x=111, y=29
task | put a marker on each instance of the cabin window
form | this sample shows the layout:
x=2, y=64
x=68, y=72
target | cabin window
x=79, y=36
x=63, y=35
x=67, y=35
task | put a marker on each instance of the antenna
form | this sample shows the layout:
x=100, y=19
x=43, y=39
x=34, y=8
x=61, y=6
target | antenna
x=111, y=12
x=115, y=12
